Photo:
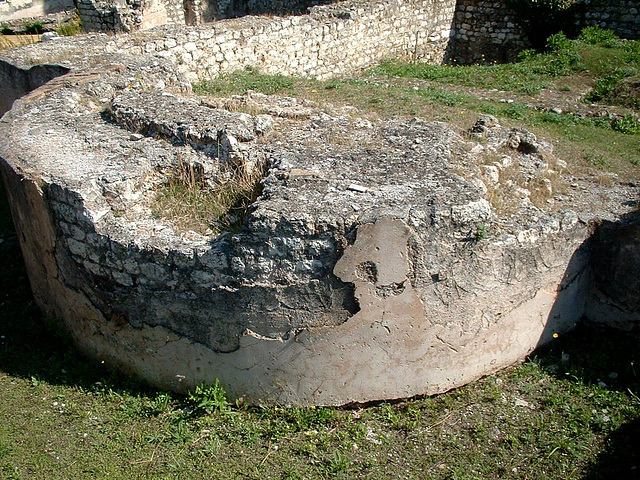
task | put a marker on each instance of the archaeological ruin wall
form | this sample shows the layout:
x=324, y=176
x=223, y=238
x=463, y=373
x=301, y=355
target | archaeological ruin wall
x=19, y=9
x=101, y=15
x=332, y=40
x=371, y=266
x=476, y=31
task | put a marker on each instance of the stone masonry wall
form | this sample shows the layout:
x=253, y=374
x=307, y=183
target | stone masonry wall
x=621, y=16
x=488, y=30
x=349, y=33
x=128, y=15
x=485, y=31
x=332, y=40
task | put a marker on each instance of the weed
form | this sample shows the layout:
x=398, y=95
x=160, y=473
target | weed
x=629, y=124
x=603, y=87
x=34, y=28
x=73, y=27
x=482, y=232
x=192, y=205
x=209, y=398
x=595, y=35
x=558, y=43
x=597, y=160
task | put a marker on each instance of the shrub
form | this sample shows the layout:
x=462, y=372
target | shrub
x=558, y=42
x=526, y=55
x=598, y=36
x=70, y=29
x=628, y=124
x=34, y=28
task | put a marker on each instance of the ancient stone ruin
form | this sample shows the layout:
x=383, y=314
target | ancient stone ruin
x=371, y=265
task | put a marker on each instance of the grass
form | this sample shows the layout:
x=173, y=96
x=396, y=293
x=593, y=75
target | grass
x=597, y=56
x=528, y=76
x=73, y=27
x=10, y=41
x=571, y=411
x=577, y=138
x=190, y=204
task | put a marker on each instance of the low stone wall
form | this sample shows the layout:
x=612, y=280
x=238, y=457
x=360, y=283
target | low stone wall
x=621, y=16
x=332, y=40
x=131, y=15
x=485, y=31
x=17, y=82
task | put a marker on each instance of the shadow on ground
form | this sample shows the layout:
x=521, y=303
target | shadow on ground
x=593, y=355
x=621, y=459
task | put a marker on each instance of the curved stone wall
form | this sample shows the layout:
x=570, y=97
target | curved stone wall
x=372, y=266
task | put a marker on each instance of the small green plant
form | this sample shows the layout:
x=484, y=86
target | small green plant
x=597, y=160
x=595, y=35
x=74, y=27
x=482, y=232
x=6, y=30
x=34, y=28
x=603, y=86
x=628, y=124
x=558, y=42
x=209, y=398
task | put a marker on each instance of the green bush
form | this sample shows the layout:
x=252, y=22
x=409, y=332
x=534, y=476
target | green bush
x=596, y=35
x=559, y=42
x=628, y=124
x=34, y=28
x=526, y=55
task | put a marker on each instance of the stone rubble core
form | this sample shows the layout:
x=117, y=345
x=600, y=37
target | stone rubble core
x=372, y=266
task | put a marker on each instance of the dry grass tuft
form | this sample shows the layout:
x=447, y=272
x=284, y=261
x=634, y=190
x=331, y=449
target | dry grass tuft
x=11, y=41
x=190, y=204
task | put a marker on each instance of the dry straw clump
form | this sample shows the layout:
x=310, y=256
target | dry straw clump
x=192, y=203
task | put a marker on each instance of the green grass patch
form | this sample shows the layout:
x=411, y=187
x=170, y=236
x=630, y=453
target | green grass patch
x=597, y=55
x=74, y=27
x=240, y=81
x=529, y=75
x=577, y=137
